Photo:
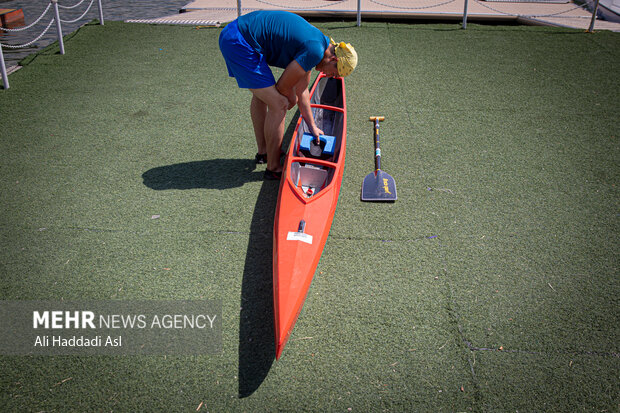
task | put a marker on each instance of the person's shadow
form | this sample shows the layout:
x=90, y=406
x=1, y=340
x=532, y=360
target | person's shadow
x=256, y=321
x=209, y=174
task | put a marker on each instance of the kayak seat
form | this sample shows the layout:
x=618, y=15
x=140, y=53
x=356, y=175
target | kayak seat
x=308, y=175
x=327, y=146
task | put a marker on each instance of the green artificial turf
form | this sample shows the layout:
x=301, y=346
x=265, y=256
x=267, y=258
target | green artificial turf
x=490, y=285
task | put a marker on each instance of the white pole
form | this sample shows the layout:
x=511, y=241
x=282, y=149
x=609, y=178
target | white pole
x=100, y=13
x=359, y=13
x=465, y=16
x=591, y=29
x=58, y=28
x=5, y=77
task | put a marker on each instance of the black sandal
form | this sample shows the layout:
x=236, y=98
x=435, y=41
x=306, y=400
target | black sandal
x=260, y=158
x=272, y=176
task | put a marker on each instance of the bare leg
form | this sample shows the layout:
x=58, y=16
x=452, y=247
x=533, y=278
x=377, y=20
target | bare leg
x=272, y=123
x=258, y=111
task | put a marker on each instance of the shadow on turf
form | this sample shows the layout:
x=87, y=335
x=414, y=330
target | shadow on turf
x=257, y=348
x=256, y=327
x=256, y=321
x=212, y=174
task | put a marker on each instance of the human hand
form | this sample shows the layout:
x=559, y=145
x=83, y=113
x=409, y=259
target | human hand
x=316, y=132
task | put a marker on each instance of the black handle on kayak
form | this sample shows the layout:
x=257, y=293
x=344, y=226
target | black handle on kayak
x=376, y=120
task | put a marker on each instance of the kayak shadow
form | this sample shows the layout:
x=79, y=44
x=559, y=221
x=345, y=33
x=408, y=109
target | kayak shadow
x=257, y=349
x=256, y=322
x=211, y=174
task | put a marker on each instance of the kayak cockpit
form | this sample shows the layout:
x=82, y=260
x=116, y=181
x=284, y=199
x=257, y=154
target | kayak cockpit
x=310, y=178
x=313, y=168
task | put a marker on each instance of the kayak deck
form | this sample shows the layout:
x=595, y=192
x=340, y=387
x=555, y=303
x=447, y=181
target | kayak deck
x=306, y=204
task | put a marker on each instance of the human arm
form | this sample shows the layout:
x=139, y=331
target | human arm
x=288, y=82
x=293, y=84
x=303, y=101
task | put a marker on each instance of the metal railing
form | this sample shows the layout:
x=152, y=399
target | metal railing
x=54, y=6
x=411, y=6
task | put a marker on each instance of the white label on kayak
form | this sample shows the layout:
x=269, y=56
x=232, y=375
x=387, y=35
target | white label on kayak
x=299, y=236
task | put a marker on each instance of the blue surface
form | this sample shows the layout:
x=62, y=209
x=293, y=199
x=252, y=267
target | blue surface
x=329, y=142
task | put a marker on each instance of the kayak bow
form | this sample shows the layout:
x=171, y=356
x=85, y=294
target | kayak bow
x=306, y=202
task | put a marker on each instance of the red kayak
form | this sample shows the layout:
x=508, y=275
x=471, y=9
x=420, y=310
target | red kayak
x=307, y=201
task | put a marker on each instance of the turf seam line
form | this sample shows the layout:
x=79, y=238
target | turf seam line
x=222, y=231
x=523, y=110
x=572, y=352
x=452, y=312
x=386, y=240
x=136, y=232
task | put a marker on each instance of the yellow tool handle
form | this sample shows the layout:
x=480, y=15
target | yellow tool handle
x=379, y=118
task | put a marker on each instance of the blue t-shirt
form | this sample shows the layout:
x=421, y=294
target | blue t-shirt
x=283, y=37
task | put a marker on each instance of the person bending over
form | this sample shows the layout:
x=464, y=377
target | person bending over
x=255, y=41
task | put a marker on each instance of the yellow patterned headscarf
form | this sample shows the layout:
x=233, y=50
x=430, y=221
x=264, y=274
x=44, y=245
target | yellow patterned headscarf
x=347, y=57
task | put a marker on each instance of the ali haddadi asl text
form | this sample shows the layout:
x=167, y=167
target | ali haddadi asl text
x=78, y=341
